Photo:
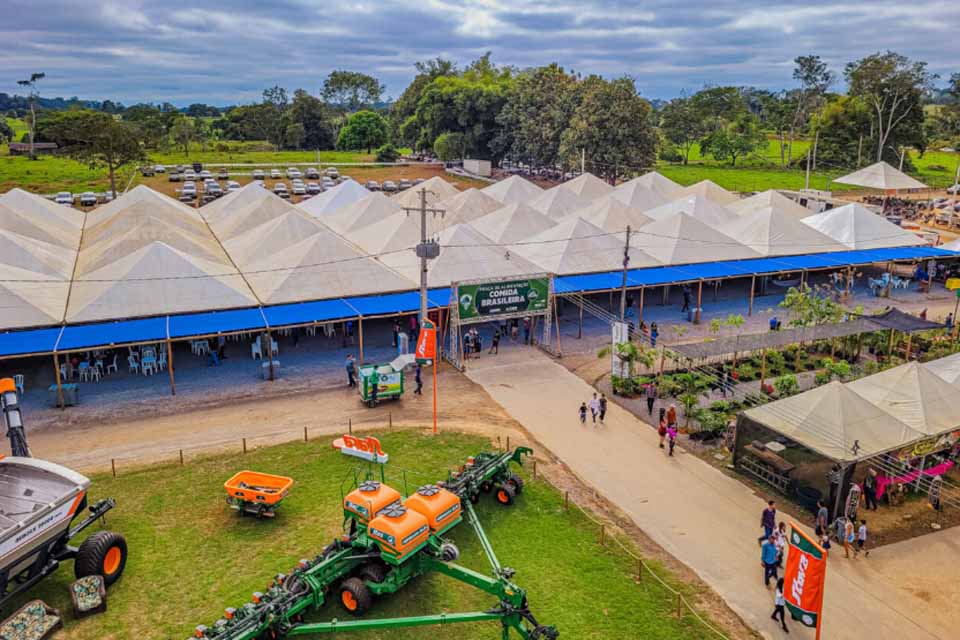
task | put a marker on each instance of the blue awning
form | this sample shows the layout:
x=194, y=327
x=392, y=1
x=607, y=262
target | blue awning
x=213, y=322
x=16, y=343
x=389, y=303
x=587, y=282
x=308, y=312
x=105, y=334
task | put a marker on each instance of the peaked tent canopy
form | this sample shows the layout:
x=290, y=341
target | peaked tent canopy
x=836, y=422
x=880, y=175
x=373, y=208
x=467, y=206
x=947, y=368
x=36, y=217
x=611, y=214
x=636, y=195
x=31, y=299
x=953, y=245
x=700, y=207
x=243, y=210
x=682, y=239
x=400, y=231
x=577, y=246
x=773, y=232
x=708, y=189
x=513, y=189
x=914, y=395
x=557, y=202
x=271, y=239
x=769, y=199
x=654, y=182
x=513, y=223
x=857, y=227
x=437, y=189
x=587, y=185
x=40, y=257
x=331, y=200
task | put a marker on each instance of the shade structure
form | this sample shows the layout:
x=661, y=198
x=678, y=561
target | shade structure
x=373, y=208
x=28, y=254
x=774, y=232
x=708, y=189
x=698, y=206
x=857, y=227
x=513, y=189
x=36, y=217
x=31, y=299
x=467, y=206
x=587, y=185
x=611, y=214
x=577, y=246
x=557, y=203
x=270, y=239
x=465, y=254
x=244, y=209
x=946, y=368
x=836, y=422
x=880, y=175
x=513, y=223
x=331, y=200
x=953, y=245
x=655, y=182
x=398, y=231
x=914, y=395
x=682, y=239
x=436, y=187
x=769, y=199
x=639, y=196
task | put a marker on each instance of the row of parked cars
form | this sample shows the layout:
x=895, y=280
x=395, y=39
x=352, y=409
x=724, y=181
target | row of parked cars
x=85, y=199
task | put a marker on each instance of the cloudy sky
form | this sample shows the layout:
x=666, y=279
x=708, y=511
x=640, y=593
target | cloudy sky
x=227, y=51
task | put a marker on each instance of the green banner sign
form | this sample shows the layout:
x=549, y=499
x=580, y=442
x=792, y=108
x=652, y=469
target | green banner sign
x=492, y=299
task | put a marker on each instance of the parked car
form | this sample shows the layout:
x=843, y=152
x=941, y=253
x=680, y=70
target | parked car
x=189, y=188
x=64, y=197
x=954, y=190
x=275, y=174
x=299, y=188
x=108, y=196
x=311, y=173
x=147, y=172
x=189, y=174
x=159, y=168
x=328, y=183
x=233, y=185
x=332, y=172
x=417, y=181
x=372, y=185
x=389, y=186
x=280, y=189
x=181, y=168
x=404, y=184
x=88, y=199
x=223, y=174
x=293, y=172
x=206, y=174
x=173, y=176
x=313, y=188
x=258, y=174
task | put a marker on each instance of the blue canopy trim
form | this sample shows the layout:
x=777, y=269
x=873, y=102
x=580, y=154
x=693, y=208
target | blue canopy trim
x=18, y=343
x=213, y=322
x=108, y=334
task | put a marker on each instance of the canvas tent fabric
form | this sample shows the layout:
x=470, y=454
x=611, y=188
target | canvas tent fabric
x=467, y=206
x=773, y=232
x=271, y=238
x=696, y=206
x=513, y=223
x=513, y=189
x=610, y=214
x=836, y=422
x=914, y=395
x=400, y=231
x=707, y=189
x=588, y=186
x=243, y=210
x=682, y=239
x=947, y=368
x=436, y=187
x=769, y=199
x=656, y=182
x=953, y=245
x=880, y=175
x=557, y=202
x=366, y=211
x=36, y=217
x=577, y=246
x=857, y=227
x=344, y=194
x=639, y=196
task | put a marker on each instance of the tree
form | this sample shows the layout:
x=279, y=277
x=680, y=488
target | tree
x=351, y=90
x=294, y=136
x=718, y=106
x=681, y=125
x=198, y=110
x=450, y=146
x=388, y=153
x=611, y=125
x=364, y=130
x=893, y=86
x=844, y=126
x=100, y=140
x=32, y=95
x=403, y=121
x=945, y=125
x=271, y=122
x=316, y=119
x=814, y=78
x=811, y=306
x=739, y=138
x=6, y=133
x=183, y=131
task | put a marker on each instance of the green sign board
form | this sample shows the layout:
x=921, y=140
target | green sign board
x=513, y=297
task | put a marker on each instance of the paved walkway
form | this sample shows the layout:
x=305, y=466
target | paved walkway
x=711, y=521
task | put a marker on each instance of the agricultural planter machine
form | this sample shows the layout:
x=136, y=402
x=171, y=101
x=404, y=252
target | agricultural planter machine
x=388, y=542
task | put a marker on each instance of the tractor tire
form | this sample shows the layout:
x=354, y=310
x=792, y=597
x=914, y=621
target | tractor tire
x=505, y=495
x=486, y=486
x=373, y=572
x=355, y=596
x=474, y=498
x=102, y=554
x=449, y=552
x=544, y=633
x=516, y=482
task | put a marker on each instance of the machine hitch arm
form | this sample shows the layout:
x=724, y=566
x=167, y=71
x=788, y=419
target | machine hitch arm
x=97, y=511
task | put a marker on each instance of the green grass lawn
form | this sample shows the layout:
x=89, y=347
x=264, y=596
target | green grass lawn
x=49, y=174
x=241, y=155
x=191, y=556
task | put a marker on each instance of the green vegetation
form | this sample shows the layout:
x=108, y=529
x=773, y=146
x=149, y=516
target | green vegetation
x=191, y=556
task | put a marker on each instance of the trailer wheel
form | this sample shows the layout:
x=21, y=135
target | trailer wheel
x=505, y=495
x=104, y=553
x=486, y=486
x=373, y=572
x=474, y=498
x=516, y=482
x=355, y=596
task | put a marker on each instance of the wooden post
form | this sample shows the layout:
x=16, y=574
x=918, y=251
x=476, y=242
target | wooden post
x=305, y=438
x=350, y=426
x=603, y=534
x=699, y=299
x=360, y=330
x=113, y=467
x=803, y=279
x=833, y=347
x=181, y=457
x=580, y=325
x=666, y=294
x=796, y=364
x=763, y=368
x=909, y=339
x=640, y=313
x=753, y=284
x=56, y=372
x=890, y=345
x=508, y=443
x=269, y=355
x=173, y=384
x=566, y=501
x=244, y=445
x=663, y=358
x=534, y=469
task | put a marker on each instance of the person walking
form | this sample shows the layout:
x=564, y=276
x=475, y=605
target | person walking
x=686, y=299
x=651, y=393
x=594, y=408
x=583, y=413
x=351, y=368
x=654, y=332
x=419, y=379
x=662, y=429
x=778, y=606
x=672, y=437
x=396, y=332
x=768, y=520
x=780, y=539
x=495, y=342
x=768, y=559
x=526, y=330
x=848, y=539
x=603, y=407
x=672, y=415
x=823, y=517
x=862, y=539
x=870, y=489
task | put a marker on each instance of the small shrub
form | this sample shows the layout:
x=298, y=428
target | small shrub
x=786, y=385
x=388, y=153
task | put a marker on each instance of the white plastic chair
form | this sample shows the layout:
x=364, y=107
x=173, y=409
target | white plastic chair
x=84, y=372
x=94, y=373
x=63, y=372
x=274, y=346
x=149, y=365
x=114, y=365
x=18, y=382
x=255, y=351
x=134, y=365
x=162, y=361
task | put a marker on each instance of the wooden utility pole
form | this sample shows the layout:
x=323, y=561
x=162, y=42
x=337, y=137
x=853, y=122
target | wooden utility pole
x=753, y=284
x=699, y=300
x=623, y=284
x=806, y=182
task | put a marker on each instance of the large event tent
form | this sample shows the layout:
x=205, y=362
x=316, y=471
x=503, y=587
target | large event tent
x=773, y=232
x=654, y=182
x=947, y=368
x=397, y=232
x=639, y=196
x=373, y=208
x=243, y=210
x=34, y=216
x=467, y=206
x=707, y=189
x=769, y=199
x=515, y=222
x=436, y=187
x=913, y=394
x=682, y=239
x=700, y=207
x=513, y=189
x=587, y=185
x=857, y=227
x=880, y=175
x=557, y=202
x=577, y=246
x=610, y=214
x=340, y=196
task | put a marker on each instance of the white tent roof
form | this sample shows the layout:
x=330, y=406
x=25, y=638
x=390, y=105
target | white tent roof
x=36, y=217
x=373, y=208
x=271, y=239
x=513, y=189
x=947, y=368
x=835, y=421
x=558, y=202
x=696, y=206
x=398, y=231
x=513, y=223
x=682, y=239
x=857, y=227
x=655, y=182
x=30, y=298
x=342, y=195
x=880, y=175
x=707, y=189
x=587, y=185
x=637, y=195
x=773, y=232
x=577, y=246
x=610, y=214
x=768, y=199
x=915, y=395
x=467, y=206
x=953, y=245
x=465, y=254
x=437, y=189
x=33, y=255
x=244, y=209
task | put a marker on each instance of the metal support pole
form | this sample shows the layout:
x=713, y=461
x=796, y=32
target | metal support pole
x=699, y=299
x=580, y=322
x=763, y=369
x=56, y=372
x=640, y=312
x=270, y=355
x=623, y=283
x=753, y=284
x=360, y=331
x=173, y=384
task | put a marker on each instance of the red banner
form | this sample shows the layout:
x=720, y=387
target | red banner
x=803, y=578
x=427, y=341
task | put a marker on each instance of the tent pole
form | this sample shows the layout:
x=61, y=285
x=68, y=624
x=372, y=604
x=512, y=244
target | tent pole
x=803, y=279
x=56, y=372
x=640, y=313
x=270, y=354
x=909, y=339
x=890, y=345
x=360, y=331
x=699, y=299
x=763, y=368
x=580, y=325
x=753, y=284
x=173, y=384
x=556, y=317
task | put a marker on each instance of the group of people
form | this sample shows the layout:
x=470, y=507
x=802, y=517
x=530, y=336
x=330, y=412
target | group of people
x=597, y=408
x=667, y=429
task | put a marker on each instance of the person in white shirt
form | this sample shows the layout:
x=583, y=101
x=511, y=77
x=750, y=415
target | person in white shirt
x=778, y=606
x=594, y=408
x=862, y=538
x=780, y=540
